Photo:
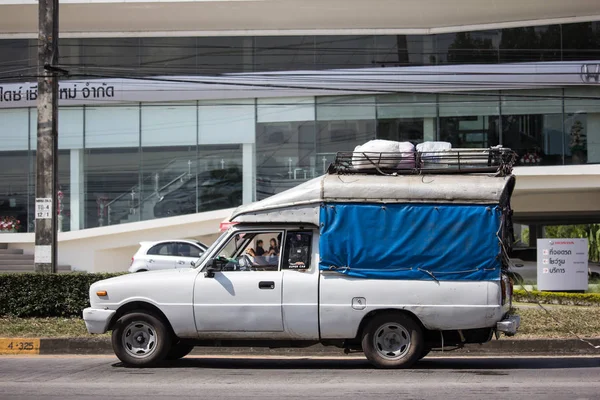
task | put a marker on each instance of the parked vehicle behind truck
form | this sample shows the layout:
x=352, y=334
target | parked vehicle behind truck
x=390, y=261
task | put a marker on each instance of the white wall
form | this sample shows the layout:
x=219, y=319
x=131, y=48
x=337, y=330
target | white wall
x=109, y=249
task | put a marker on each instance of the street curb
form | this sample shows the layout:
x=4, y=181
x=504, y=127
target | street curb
x=89, y=346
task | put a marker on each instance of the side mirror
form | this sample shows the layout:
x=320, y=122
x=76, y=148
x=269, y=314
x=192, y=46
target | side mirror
x=210, y=272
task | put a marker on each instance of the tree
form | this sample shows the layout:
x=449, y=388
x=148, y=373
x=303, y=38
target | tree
x=468, y=49
x=591, y=232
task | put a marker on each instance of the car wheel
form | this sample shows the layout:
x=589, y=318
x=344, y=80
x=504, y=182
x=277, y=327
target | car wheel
x=141, y=340
x=179, y=350
x=425, y=352
x=392, y=341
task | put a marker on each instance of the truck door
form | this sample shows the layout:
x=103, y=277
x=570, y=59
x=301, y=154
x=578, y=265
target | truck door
x=301, y=281
x=242, y=291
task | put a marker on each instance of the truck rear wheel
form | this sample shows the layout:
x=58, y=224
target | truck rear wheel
x=393, y=341
x=140, y=340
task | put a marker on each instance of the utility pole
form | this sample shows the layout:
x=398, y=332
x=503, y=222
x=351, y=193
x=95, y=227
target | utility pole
x=47, y=138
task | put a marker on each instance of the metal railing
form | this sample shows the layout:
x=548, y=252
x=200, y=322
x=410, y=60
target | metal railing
x=452, y=161
x=129, y=202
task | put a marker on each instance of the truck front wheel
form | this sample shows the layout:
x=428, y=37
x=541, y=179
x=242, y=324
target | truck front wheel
x=392, y=341
x=140, y=340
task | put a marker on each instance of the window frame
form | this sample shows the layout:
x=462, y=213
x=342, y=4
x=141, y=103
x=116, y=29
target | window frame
x=255, y=233
x=148, y=253
x=309, y=252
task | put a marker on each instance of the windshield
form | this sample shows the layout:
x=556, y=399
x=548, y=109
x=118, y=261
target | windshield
x=217, y=242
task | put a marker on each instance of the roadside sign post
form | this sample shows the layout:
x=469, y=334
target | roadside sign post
x=562, y=264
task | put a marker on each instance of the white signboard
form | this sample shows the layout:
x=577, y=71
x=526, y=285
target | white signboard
x=43, y=208
x=43, y=255
x=562, y=264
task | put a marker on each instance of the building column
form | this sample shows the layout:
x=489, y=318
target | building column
x=77, y=190
x=248, y=172
x=429, y=125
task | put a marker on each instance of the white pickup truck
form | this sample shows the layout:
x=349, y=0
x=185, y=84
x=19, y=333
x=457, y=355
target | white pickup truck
x=393, y=265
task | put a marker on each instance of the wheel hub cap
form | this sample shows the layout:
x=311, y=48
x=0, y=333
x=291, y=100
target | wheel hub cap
x=139, y=339
x=392, y=341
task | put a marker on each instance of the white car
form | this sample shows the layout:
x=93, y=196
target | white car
x=166, y=254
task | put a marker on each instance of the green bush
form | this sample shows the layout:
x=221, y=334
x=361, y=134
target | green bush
x=574, y=299
x=46, y=295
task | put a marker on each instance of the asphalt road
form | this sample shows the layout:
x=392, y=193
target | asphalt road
x=103, y=377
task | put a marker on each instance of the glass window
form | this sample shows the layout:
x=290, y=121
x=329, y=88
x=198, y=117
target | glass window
x=112, y=127
x=335, y=52
x=226, y=122
x=533, y=43
x=18, y=57
x=168, y=160
x=250, y=251
x=402, y=50
x=284, y=53
x=216, y=55
x=582, y=125
x=342, y=124
x=581, y=41
x=187, y=250
x=14, y=129
x=121, y=53
x=297, y=250
x=112, y=165
x=476, y=47
x=70, y=128
x=285, y=143
x=532, y=125
x=469, y=121
x=220, y=177
x=14, y=174
x=112, y=190
x=174, y=55
x=163, y=249
x=406, y=117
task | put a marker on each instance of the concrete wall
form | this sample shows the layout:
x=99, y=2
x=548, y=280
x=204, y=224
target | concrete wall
x=109, y=249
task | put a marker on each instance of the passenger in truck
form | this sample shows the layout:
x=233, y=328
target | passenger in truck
x=259, y=249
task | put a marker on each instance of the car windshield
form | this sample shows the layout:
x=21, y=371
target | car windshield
x=217, y=242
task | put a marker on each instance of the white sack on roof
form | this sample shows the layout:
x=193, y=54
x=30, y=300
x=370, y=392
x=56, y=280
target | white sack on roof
x=384, y=154
x=432, y=152
x=433, y=146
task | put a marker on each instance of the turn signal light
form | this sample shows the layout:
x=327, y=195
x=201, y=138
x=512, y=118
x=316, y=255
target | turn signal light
x=101, y=293
x=225, y=225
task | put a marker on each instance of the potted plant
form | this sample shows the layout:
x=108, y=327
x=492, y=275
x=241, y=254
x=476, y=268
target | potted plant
x=9, y=224
x=531, y=158
x=578, y=143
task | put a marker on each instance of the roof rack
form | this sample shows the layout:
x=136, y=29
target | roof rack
x=497, y=160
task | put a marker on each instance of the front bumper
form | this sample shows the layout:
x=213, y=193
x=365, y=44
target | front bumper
x=509, y=325
x=96, y=320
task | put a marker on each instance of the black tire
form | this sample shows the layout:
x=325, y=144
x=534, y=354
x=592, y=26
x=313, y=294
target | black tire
x=425, y=352
x=179, y=350
x=400, y=333
x=147, y=331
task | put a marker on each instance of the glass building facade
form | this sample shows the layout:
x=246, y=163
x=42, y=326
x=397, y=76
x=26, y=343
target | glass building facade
x=122, y=163
x=217, y=55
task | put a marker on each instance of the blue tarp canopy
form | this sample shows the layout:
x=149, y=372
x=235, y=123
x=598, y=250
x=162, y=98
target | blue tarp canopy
x=411, y=241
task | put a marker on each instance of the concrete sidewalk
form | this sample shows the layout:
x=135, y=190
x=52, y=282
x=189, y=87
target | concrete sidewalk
x=504, y=346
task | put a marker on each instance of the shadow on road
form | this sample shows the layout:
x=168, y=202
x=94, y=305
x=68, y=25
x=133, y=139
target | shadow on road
x=481, y=366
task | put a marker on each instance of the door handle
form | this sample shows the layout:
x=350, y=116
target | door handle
x=266, y=285
x=150, y=260
x=180, y=262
